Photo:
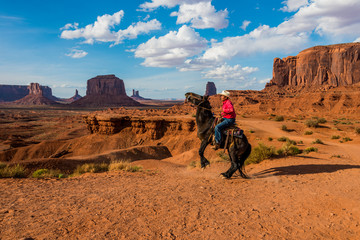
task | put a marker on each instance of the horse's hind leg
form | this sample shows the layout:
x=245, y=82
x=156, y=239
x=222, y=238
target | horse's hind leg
x=234, y=165
x=243, y=157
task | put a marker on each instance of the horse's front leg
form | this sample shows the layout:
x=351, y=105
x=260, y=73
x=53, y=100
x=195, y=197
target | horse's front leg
x=204, y=161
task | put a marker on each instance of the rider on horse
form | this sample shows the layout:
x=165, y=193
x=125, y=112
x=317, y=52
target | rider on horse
x=228, y=115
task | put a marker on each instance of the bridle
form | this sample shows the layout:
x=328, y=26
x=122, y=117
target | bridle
x=201, y=102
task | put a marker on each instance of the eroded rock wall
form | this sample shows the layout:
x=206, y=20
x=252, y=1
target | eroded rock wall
x=320, y=66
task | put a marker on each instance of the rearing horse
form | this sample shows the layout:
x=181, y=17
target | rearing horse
x=239, y=149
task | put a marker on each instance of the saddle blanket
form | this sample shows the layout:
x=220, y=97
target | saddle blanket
x=236, y=132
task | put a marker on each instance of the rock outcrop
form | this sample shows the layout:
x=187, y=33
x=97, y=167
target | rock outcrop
x=105, y=91
x=210, y=89
x=320, y=67
x=36, y=96
x=136, y=96
x=9, y=93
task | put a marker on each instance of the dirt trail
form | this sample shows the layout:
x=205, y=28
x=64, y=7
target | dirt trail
x=294, y=198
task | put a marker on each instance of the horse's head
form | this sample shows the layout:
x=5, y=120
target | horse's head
x=195, y=99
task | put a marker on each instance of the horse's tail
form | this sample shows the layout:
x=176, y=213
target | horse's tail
x=243, y=157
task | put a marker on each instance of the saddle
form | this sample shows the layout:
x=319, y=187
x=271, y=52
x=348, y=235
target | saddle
x=227, y=134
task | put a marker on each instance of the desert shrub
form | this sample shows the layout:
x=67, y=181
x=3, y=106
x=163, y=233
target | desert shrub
x=91, y=168
x=46, y=173
x=314, y=123
x=357, y=130
x=279, y=118
x=16, y=171
x=286, y=139
x=321, y=120
x=317, y=141
x=270, y=139
x=260, y=153
x=335, y=156
x=308, y=133
x=251, y=131
x=310, y=149
x=2, y=165
x=335, y=137
x=289, y=149
x=300, y=142
x=282, y=139
x=125, y=166
x=284, y=128
x=346, y=139
x=194, y=164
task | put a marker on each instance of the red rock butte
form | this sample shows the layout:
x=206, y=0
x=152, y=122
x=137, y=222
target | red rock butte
x=105, y=91
x=319, y=67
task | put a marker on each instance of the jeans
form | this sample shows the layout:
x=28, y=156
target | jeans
x=221, y=126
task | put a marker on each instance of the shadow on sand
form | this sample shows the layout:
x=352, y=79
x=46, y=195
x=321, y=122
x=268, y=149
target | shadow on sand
x=303, y=169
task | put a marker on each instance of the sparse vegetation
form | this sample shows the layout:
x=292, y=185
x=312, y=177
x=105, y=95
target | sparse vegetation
x=91, y=168
x=346, y=139
x=357, y=130
x=279, y=118
x=335, y=137
x=308, y=133
x=310, y=149
x=194, y=164
x=125, y=166
x=270, y=139
x=260, y=153
x=286, y=139
x=318, y=141
x=289, y=149
x=335, y=156
x=322, y=120
x=251, y=131
x=284, y=128
x=16, y=171
x=47, y=173
x=313, y=123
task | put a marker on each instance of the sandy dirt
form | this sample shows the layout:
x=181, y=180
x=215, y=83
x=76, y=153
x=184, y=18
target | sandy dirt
x=309, y=196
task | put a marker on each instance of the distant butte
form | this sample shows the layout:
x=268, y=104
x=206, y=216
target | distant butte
x=105, y=91
x=36, y=96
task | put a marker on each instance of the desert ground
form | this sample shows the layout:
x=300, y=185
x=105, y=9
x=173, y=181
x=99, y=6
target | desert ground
x=312, y=195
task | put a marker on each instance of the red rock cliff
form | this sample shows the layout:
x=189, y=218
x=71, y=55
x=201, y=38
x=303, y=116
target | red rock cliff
x=329, y=66
x=105, y=85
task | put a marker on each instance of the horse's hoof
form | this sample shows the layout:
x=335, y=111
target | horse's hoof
x=224, y=176
x=204, y=165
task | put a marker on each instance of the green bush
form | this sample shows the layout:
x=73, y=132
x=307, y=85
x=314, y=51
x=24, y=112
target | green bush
x=317, y=141
x=314, y=123
x=282, y=139
x=289, y=149
x=46, y=173
x=91, y=168
x=321, y=120
x=16, y=171
x=357, y=130
x=260, y=153
x=308, y=133
x=279, y=118
x=310, y=149
x=346, y=139
x=284, y=128
x=270, y=139
x=335, y=137
x=124, y=166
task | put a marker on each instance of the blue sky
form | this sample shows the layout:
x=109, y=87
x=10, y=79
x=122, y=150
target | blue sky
x=163, y=48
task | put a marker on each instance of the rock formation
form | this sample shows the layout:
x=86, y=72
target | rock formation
x=210, y=89
x=36, y=96
x=73, y=98
x=319, y=67
x=136, y=96
x=9, y=93
x=105, y=91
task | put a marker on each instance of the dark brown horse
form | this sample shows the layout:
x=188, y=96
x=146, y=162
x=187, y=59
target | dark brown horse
x=238, y=148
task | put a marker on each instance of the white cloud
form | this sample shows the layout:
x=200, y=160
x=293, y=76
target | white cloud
x=245, y=24
x=172, y=49
x=357, y=40
x=293, y=5
x=76, y=53
x=262, y=39
x=201, y=15
x=228, y=73
x=98, y=31
x=101, y=29
x=134, y=30
x=333, y=18
x=150, y=6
